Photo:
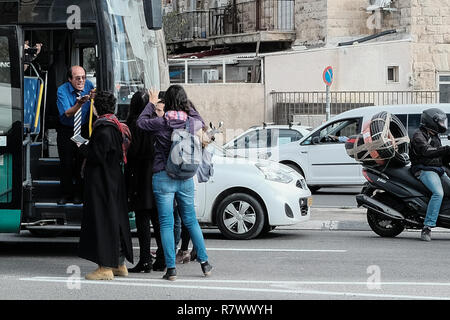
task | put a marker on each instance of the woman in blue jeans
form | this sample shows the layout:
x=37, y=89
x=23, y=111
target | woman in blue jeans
x=176, y=112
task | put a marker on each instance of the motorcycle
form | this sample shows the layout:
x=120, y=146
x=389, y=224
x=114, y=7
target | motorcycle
x=396, y=200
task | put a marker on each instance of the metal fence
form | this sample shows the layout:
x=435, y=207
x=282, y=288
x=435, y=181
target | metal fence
x=186, y=25
x=252, y=16
x=244, y=17
x=289, y=106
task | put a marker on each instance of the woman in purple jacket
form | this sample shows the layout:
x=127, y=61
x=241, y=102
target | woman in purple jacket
x=176, y=112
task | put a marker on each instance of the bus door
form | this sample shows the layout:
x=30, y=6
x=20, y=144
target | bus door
x=11, y=128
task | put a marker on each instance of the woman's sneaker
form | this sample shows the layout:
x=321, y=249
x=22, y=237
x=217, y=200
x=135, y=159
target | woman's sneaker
x=171, y=274
x=206, y=268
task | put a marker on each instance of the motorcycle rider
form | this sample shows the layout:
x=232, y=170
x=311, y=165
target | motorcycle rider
x=427, y=163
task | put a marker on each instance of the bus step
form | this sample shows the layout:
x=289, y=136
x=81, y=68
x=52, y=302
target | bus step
x=47, y=169
x=46, y=189
x=68, y=213
x=54, y=205
x=56, y=227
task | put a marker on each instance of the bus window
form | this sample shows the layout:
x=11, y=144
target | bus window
x=5, y=121
x=134, y=50
x=88, y=57
x=5, y=87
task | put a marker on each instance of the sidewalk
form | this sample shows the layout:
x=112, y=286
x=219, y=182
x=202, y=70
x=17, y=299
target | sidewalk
x=344, y=219
x=334, y=219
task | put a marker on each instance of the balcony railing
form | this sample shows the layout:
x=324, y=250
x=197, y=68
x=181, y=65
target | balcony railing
x=186, y=25
x=251, y=16
x=244, y=17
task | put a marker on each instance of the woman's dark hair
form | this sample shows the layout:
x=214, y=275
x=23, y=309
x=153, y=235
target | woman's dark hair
x=176, y=99
x=105, y=102
x=137, y=105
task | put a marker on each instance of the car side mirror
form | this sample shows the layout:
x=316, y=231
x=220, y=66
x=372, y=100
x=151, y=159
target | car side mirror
x=315, y=140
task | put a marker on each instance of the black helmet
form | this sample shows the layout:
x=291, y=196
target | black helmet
x=434, y=119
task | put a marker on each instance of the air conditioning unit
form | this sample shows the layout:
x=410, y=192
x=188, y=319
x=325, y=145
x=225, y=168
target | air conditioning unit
x=380, y=4
x=209, y=75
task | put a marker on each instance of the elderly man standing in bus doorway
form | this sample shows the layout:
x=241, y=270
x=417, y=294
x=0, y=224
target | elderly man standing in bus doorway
x=73, y=106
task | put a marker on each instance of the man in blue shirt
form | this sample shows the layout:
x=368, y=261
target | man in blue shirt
x=72, y=96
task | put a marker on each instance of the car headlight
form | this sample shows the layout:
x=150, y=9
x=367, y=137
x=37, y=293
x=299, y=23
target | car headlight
x=274, y=173
x=301, y=183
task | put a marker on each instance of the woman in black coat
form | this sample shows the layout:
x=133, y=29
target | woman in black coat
x=105, y=229
x=138, y=173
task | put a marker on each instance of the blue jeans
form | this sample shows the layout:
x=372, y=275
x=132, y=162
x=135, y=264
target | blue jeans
x=433, y=182
x=165, y=190
x=177, y=227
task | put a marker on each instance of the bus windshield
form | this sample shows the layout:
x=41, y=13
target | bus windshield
x=134, y=49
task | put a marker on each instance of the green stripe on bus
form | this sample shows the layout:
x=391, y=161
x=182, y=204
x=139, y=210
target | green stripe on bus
x=9, y=221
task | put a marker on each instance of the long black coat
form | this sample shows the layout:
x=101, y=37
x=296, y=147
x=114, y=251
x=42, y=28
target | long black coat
x=138, y=171
x=105, y=216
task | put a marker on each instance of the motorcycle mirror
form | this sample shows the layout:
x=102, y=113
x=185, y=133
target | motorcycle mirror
x=211, y=125
x=220, y=124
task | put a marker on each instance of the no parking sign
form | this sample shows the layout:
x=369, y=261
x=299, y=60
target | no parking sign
x=328, y=75
x=328, y=79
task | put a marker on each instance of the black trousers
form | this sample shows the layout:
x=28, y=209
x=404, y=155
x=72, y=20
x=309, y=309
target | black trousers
x=143, y=218
x=71, y=160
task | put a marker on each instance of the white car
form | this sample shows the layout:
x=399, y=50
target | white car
x=246, y=198
x=262, y=142
x=321, y=156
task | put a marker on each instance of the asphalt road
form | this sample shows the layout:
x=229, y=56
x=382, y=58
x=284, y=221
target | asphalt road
x=340, y=197
x=287, y=264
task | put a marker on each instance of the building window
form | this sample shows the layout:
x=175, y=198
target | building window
x=393, y=74
x=444, y=88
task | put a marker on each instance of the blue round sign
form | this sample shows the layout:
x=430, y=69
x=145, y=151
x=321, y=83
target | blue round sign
x=328, y=75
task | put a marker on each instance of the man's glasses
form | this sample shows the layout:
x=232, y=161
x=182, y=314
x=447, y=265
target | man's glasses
x=80, y=78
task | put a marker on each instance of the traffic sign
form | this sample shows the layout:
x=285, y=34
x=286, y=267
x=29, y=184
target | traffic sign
x=328, y=75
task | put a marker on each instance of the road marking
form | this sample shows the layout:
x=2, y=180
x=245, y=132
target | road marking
x=284, y=286
x=267, y=250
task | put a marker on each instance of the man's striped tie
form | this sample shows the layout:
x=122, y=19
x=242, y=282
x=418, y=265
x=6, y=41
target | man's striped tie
x=77, y=119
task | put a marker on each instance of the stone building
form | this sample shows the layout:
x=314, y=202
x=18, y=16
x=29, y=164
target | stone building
x=373, y=45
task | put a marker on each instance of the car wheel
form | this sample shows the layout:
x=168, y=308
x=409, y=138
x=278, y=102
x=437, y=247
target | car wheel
x=240, y=216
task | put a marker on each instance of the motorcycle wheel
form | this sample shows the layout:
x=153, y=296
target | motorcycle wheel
x=383, y=226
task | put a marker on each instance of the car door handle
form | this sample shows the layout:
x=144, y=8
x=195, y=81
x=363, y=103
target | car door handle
x=303, y=151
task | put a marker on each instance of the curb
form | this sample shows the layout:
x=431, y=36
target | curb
x=340, y=219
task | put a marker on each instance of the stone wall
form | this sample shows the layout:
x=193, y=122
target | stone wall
x=430, y=30
x=239, y=105
x=311, y=22
x=346, y=18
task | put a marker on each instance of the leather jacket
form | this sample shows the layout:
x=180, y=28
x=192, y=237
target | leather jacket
x=427, y=150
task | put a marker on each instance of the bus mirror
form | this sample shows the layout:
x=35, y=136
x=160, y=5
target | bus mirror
x=153, y=14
